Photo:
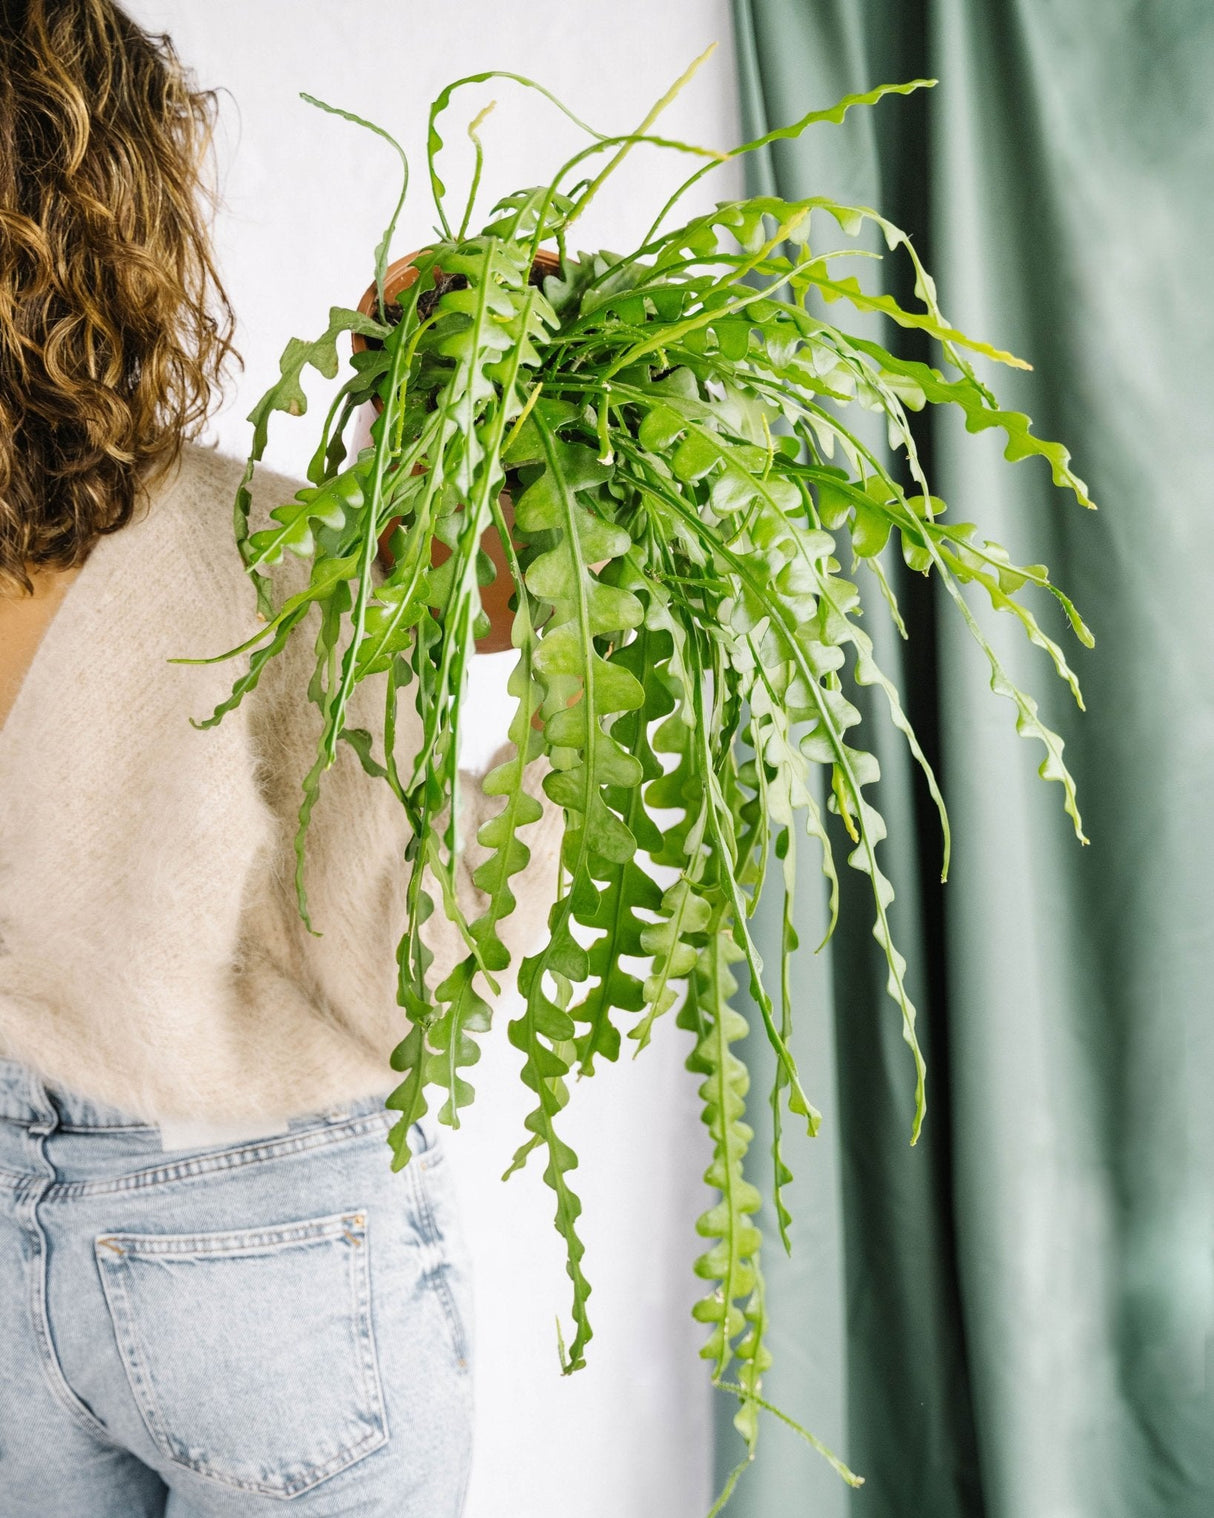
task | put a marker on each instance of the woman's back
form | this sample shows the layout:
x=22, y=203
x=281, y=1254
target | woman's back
x=213, y=1293
x=152, y=953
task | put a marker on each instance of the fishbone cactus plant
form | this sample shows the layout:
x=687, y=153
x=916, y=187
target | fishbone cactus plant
x=691, y=508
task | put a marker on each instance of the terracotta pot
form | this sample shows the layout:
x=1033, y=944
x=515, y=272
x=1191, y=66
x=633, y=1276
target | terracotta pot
x=403, y=273
x=399, y=276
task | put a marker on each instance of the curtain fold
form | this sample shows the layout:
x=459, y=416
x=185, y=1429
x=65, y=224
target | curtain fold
x=1015, y=1317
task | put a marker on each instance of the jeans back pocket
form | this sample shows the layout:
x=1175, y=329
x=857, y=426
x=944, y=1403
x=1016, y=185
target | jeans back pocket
x=250, y=1354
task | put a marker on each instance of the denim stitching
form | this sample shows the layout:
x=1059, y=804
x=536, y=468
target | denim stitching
x=26, y=1209
x=436, y=1275
x=23, y=1119
x=366, y=1328
x=148, y=1128
x=125, y=1326
x=233, y=1242
x=117, y=1265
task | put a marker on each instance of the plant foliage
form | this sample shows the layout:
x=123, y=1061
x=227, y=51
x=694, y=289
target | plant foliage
x=693, y=505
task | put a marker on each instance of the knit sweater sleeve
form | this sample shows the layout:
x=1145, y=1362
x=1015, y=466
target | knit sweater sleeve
x=354, y=868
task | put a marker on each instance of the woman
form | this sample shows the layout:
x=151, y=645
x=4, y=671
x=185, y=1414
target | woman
x=214, y=1295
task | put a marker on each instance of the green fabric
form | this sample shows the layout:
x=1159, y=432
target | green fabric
x=1013, y=1319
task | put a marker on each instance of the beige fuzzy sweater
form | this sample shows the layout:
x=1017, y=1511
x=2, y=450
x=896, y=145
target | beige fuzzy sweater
x=151, y=952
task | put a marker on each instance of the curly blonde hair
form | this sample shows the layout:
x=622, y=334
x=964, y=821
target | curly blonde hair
x=114, y=325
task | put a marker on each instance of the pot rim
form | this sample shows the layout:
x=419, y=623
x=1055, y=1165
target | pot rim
x=402, y=272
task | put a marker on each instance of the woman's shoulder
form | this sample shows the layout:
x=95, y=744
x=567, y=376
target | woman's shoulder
x=196, y=504
x=206, y=474
x=203, y=488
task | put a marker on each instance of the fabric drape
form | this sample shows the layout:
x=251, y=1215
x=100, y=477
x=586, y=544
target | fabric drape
x=1014, y=1318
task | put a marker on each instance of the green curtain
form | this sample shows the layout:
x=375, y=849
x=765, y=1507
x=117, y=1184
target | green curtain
x=1013, y=1319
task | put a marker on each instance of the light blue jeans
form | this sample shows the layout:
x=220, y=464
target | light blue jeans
x=277, y=1326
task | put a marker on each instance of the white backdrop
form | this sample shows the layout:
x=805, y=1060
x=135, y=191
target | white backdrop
x=305, y=200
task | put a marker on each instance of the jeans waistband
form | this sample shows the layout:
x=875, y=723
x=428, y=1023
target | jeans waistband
x=25, y=1097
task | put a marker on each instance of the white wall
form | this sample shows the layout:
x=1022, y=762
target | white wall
x=306, y=198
